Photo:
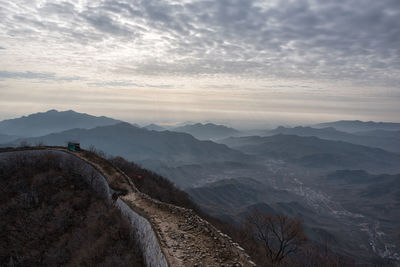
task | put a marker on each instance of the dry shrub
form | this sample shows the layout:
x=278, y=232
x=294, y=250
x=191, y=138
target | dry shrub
x=50, y=216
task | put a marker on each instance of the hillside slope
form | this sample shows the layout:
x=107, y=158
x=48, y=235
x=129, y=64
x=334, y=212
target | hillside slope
x=7, y=138
x=51, y=217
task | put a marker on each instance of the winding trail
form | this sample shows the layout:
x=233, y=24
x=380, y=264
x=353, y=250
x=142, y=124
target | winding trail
x=185, y=239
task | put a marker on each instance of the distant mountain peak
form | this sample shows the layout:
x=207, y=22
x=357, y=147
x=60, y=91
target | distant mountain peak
x=358, y=126
x=208, y=131
x=154, y=127
x=124, y=124
x=51, y=121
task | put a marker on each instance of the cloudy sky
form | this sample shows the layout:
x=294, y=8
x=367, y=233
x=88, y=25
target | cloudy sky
x=240, y=62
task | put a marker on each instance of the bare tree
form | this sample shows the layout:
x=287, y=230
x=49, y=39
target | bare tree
x=279, y=234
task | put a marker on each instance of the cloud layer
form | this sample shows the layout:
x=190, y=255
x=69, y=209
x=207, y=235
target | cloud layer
x=35, y=75
x=110, y=43
x=316, y=39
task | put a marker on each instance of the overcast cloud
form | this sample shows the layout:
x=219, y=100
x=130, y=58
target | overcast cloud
x=110, y=42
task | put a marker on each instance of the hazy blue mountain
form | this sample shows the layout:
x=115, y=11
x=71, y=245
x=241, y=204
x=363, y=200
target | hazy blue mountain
x=139, y=144
x=317, y=153
x=207, y=131
x=260, y=207
x=325, y=133
x=352, y=209
x=52, y=121
x=374, y=196
x=7, y=138
x=196, y=175
x=154, y=127
x=349, y=176
x=369, y=186
x=357, y=126
x=380, y=133
x=225, y=196
x=236, y=142
x=386, y=141
x=236, y=197
x=232, y=196
x=256, y=132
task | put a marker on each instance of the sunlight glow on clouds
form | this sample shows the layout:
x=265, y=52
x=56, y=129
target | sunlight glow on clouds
x=339, y=59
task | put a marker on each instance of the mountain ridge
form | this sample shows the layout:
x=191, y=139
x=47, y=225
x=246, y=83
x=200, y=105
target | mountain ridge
x=154, y=127
x=52, y=121
x=138, y=144
x=312, y=151
x=208, y=131
x=390, y=142
x=357, y=125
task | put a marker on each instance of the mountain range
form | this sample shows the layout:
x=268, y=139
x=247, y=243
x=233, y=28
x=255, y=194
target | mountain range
x=380, y=133
x=350, y=209
x=207, y=131
x=52, y=121
x=388, y=140
x=343, y=182
x=317, y=153
x=138, y=144
x=4, y=138
x=154, y=127
x=359, y=126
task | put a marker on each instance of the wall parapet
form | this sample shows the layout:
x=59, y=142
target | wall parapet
x=167, y=235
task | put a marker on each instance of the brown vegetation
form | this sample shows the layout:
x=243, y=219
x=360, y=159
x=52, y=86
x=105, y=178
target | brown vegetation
x=154, y=185
x=50, y=216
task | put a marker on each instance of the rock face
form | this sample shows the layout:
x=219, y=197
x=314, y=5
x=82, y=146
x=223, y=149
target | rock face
x=168, y=235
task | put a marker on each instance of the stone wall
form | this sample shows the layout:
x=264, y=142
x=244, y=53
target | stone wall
x=143, y=231
x=141, y=228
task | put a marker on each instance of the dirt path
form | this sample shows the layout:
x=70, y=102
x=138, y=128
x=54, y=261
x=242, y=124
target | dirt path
x=185, y=238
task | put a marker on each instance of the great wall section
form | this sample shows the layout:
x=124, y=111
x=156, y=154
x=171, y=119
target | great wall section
x=168, y=235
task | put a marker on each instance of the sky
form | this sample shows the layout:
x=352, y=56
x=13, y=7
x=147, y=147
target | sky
x=246, y=63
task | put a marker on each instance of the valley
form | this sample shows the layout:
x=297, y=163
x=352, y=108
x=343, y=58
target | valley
x=341, y=219
x=346, y=194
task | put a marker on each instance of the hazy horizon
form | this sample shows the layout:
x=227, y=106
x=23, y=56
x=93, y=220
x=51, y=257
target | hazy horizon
x=170, y=124
x=236, y=62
